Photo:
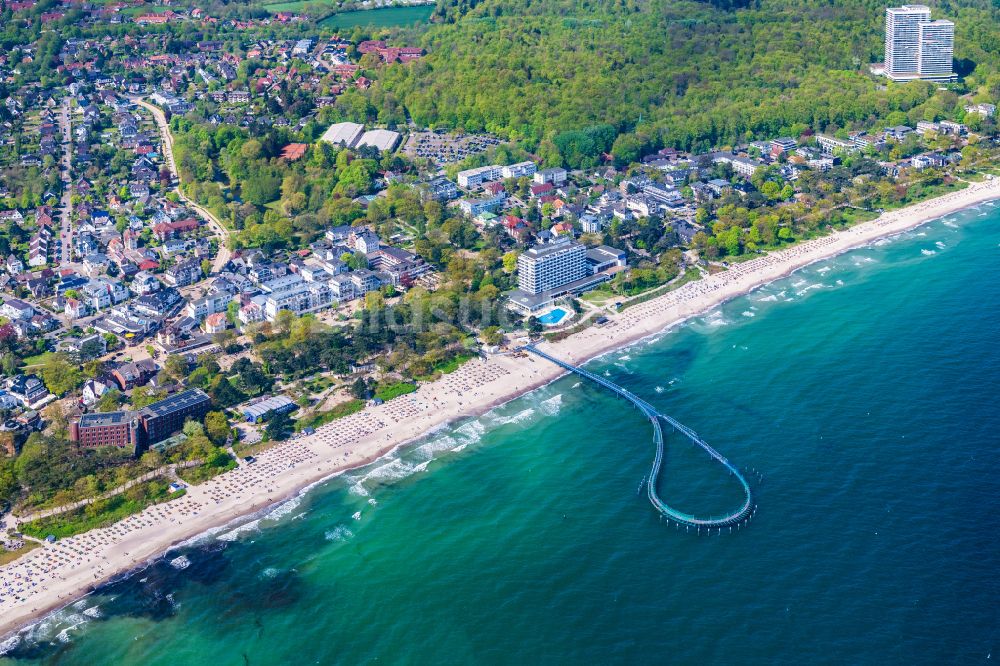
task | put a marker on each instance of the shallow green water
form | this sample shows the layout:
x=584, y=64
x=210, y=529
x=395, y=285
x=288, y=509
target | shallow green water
x=863, y=388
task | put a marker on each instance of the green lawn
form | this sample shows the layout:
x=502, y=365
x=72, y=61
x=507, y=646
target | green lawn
x=144, y=9
x=387, y=393
x=36, y=361
x=101, y=513
x=316, y=419
x=690, y=275
x=8, y=556
x=446, y=367
x=220, y=463
x=599, y=296
x=301, y=5
x=385, y=17
x=858, y=215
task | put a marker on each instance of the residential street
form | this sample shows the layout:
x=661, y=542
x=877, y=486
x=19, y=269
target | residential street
x=66, y=203
x=222, y=258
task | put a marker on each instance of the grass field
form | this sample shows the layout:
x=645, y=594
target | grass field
x=37, y=360
x=387, y=393
x=143, y=9
x=8, y=556
x=386, y=17
x=316, y=419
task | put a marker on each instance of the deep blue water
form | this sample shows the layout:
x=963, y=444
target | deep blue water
x=863, y=388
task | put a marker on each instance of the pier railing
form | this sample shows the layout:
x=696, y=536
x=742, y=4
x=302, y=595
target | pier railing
x=732, y=519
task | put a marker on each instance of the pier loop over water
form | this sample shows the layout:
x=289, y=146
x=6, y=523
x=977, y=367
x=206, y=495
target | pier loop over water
x=737, y=517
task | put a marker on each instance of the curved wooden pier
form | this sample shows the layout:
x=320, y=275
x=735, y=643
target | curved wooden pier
x=732, y=519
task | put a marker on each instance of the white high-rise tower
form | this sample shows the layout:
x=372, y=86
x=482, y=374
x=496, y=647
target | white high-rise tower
x=917, y=47
x=937, y=50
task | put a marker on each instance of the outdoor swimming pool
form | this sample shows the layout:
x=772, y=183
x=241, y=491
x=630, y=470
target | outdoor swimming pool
x=553, y=317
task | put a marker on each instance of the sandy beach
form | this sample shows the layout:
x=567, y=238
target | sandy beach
x=56, y=574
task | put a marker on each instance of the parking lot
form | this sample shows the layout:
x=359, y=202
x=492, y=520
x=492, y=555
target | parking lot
x=444, y=147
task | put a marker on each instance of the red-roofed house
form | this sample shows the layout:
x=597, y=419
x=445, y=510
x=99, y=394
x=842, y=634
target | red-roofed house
x=165, y=230
x=215, y=323
x=562, y=229
x=515, y=226
x=294, y=151
x=155, y=19
x=541, y=189
x=346, y=70
x=371, y=46
x=407, y=54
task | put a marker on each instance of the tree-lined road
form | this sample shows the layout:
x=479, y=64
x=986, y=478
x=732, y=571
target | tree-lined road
x=167, y=142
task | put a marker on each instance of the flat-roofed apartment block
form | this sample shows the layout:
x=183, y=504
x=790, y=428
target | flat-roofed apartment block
x=937, y=50
x=118, y=429
x=476, y=177
x=546, y=267
x=917, y=47
x=136, y=430
x=165, y=417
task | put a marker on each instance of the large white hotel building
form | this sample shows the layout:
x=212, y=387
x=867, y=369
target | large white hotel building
x=547, y=267
x=917, y=47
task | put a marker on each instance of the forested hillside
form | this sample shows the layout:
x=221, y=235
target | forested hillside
x=666, y=72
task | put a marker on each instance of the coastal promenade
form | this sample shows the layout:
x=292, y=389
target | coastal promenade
x=56, y=574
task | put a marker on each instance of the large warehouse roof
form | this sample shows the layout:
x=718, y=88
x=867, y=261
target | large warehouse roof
x=345, y=134
x=380, y=138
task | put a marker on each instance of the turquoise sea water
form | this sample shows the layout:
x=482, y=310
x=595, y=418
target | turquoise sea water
x=863, y=388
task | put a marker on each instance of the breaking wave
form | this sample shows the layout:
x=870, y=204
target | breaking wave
x=442, y=443
x=246, y=528
x=522, y=415
x=339, y=533
x=180, y=563
x=551, y=405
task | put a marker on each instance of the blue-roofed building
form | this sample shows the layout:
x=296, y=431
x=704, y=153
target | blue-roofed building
x=263, y=409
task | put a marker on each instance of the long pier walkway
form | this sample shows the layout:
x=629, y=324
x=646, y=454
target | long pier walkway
x=732, y=519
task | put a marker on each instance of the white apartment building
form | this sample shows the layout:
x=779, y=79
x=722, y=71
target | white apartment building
x=519, y=170
x=831, y=144
x=307, y=297
x=741, y=165
x=917, y=47
x=200, y=308
x=547, y=267
x=937, y=50
x=472, y=208
x=476, y=177
x=987, y=110
x=555, y=176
